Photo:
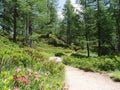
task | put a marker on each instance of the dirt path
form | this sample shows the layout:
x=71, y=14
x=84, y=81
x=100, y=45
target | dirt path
x=79, y=80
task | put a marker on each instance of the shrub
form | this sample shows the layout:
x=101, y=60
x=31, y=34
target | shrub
x=93, y=63
x=25, y=79
x=44, y=75
x=52, y=67
x=78, y=55
x=11, y=58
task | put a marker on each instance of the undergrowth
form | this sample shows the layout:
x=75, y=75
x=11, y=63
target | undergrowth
x=13, y=57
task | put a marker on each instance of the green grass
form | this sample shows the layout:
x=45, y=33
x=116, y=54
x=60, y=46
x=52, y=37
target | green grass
x=49, y=50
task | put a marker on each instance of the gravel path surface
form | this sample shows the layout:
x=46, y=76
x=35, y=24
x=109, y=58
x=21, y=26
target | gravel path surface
x=77, y=79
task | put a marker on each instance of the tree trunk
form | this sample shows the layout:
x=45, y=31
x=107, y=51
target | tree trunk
x=118, y=26
x=14, y=22
x=99, y=29
x=88, y=50
x=26, y=32
x=3, y=15
x=30, y=32
x=68, y=33
x=86, y=32
x=87, y=44
x=3, y=26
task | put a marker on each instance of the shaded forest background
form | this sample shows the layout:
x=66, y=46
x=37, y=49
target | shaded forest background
x=94, y=28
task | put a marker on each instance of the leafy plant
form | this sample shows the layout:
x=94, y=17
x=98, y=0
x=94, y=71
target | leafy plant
x=104, y=63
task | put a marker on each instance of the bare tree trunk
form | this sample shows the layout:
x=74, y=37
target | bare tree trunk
x=118, y=26
x=86, y=33
x=99, y=29
x=30, y=32
x=68, y=34
x=87, y=44
x=14, y=22
x=26, y=32
x=3, y=16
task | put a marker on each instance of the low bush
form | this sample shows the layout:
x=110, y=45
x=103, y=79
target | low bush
x=78, y=55
x=93, y=63
x=37, y=78
x=14, y=57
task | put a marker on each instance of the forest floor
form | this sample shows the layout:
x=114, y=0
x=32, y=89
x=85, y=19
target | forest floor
x=77, y=79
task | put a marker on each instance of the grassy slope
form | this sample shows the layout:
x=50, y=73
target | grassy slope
x=12, y=57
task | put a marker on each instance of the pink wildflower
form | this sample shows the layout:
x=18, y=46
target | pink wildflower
x=36, y=79
x=24, y=78
x=18, y=70
x=15, y=88
x=27, y=82
x=20, y=79
x=29, y=70
x=14, y=77
x=29, y=74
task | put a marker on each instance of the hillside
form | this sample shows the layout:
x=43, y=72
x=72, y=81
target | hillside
x=28, y=68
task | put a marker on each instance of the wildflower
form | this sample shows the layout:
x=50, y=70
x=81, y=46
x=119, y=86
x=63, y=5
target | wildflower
x=18, y=70
x=47, y=73
x=36, y=79
x=29, y=70
x=24, y=78
x=29, y=74
x=15, y=88
x=36, y=73
x=14, y=77
x=20, y=79
x=27, y=82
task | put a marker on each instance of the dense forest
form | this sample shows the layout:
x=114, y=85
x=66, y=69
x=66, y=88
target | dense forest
x=95, y=27
x=31, y=31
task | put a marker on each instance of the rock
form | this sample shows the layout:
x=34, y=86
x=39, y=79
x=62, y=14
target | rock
x=56, y=59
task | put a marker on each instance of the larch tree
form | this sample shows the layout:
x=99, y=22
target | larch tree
x=68, y=16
